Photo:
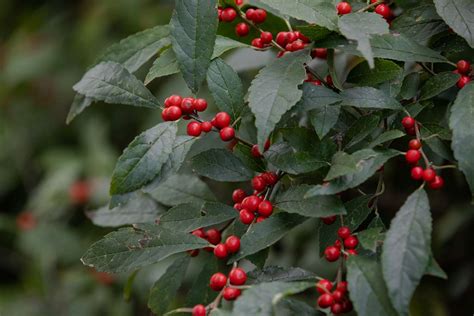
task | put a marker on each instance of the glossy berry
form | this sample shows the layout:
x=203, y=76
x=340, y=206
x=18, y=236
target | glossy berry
x=260, y=219
x=325, y=300
x=437, y=183
x=260, y=16
x=414, y=144
x=463, y=66
x=238, y=206
x=416, y=173
x=251, y=203
x=383, y=10
x=172, y=113
x=282, y=38
x=302, y=37
x=242, y=29
x=429, y=175
x=227, y=134
x=329, y=220
x=237, y=276
x=220, y=251
x=258, y=183
x=199, y=233
x=265, y=208
x=257, y=42
x=319, y=53
x=222, y=119
x=352, y=252
x=343, y=232
x=199, y=310
x=246, y=217
x=232, y=244
x=412, y=156
x=270, y=178
x=337, y=295
x=213, y=236
x=344, y=8
x=338, y=244
x=342, y=286
x=238, y=195
x=218, y=281
x=228, y=15
x=323, y=286
x=332, y=253
x=231, y=294
x=250, y=14
x=194, y=129
x=255, y=151
x=266, y=37
x=206, y=127
x=337, y=309
x=408, y=122
x=351, y=242
x=239, y=2
x=173, y=100
x=200, y=105
x=187, y=105
x=464, y=80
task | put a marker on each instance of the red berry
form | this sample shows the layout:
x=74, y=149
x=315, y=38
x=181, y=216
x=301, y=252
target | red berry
x=437, y=183
x=250, y=14
x=257, y=42
x=338, y=295
x=412, y=156
x=463, y=66
x=220, y=251
x=194, y=129
x=255, y=151
x=258, y=183
x=301, y=36
x=246, y=217
x=464, y=80
x=416, y=173
x=342, y=286
x=329, y=80
x=322, y=285
x=237, y=276
x=173, y=100
x=206, y=127
x=199, y=233
x=429, y=175
x=239, y=2
x=329, y=220
x=344, y=8
x=282, y=38
x=292, y=36
x=336, y=309
x=352, y=252
x=260, y=219
x=346, y=306
x=265, y=208
x=238, y=195
x=26, y=221
x=408, y=122
x=222, y=119
x=199, y=310
x=232, y=244
x=414, y=144
x=200, y=105
x=338, y=244
x=410, y=131
x=187, y=105
x=80, y=192
x=219, y=13
x=383, y=10
x=320, y=53
x=332, y=253
x=344, y=232
x=266, y=37
x=228, y=15
x=218, y=281
x=231, y=294
x=213, y=236
x=270, y=178
x=227, y=134
x=325, y=300
x=242, y=29
x=260, y=16
x=251, y=203
x=297, y=45
x=351, y=242
x=238, y=206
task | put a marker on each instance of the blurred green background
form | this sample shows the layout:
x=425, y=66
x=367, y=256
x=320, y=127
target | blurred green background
x=47, y=167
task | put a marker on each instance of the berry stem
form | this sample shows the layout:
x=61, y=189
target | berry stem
x=445, y=167
x=370, y=6
x=243, y=141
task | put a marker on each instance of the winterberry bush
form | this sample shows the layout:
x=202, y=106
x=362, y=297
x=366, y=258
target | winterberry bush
x=349, y=88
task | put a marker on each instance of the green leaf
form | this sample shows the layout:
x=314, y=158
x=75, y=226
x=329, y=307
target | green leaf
x=434, y=269
x=79, y=104
x=315, y=97
x=357, y=211
x=324, y=118
x=459, y=15
x=226, y=88
x=143, y=158
x=321, y=12
x=112, y=83
x=341, y=165
x=460, y=122
x=360, y=27
x=290, y=306
x=164, y=291
x=293, y=201
x=128, y=249
x=275, y=90
x=166, y=64
x=261, y=299
x=406, y=249
x=369, y=98
x=224, y=44
x=437, y=84
x=386, y=137
x=369, y=161
x=313, y=31
x=367, y=289
x=193, y=34
x=200, y=291
x=266, y=233
x=282, y=274
x=360, y=130
x=409, y=88
x=383, y=70
x=182, y=188
x=141, y=209
x=135, y=50
x=190, y=216
x=221, y=165
x=371, y=238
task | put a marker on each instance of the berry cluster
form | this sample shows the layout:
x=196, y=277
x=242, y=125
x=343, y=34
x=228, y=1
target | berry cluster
x=347, y=240
x=337, y=300
x=291, y=41
x=220, y=282
x=463, y=67
x=256, y=16
x=221, y=250
x=413, y=155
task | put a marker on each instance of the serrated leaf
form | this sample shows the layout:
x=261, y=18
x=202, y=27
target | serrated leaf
x=193, y=34
x=275, y=90
x=406, y=249
x=313, y=31
x=112, y=83
x=315, y=97
x=143, y=158
x=383, y=70
x=324, y=118
x=370, y=238
x=386, y=137
x=221, y=165
x=226, y=88
x=128, y=249
x=164, y=291
x=79, y=104
x=367, y=289
x=321, y=12
x=224, y=44
x=260, y=299
x=369, y=161
x=437, y=84
x=434, y=269
x=266, y=233
x=459, y=15
x=360, y=26
x=283, y=274
x=166, y=64
x=369, y=98
x=293, y=201
x=360, y=130
x=460, y=122
x=200, y=291
x=342, y=164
